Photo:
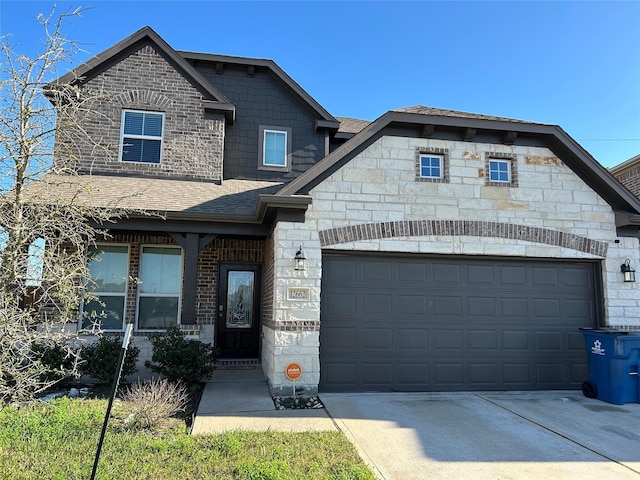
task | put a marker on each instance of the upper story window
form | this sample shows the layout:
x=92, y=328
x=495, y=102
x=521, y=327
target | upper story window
x=141, y=138
x=275, y=147
x=501, y=170
x=432, y=165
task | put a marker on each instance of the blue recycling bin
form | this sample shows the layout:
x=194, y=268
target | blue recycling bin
x=614, y=359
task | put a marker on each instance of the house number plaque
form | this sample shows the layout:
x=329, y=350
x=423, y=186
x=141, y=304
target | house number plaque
x=301, y=294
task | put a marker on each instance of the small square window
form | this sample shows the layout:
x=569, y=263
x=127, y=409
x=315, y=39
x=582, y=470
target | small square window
x=499, y=171
x=430, y=166
x=141, y=138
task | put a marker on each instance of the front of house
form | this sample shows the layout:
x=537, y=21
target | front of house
x=442, y=250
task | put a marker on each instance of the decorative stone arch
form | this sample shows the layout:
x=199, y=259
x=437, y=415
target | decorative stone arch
x=472, y=228
x=143, y=97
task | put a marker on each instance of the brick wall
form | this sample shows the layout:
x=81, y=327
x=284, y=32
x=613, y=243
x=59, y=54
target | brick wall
x=268, y=281
x=221, y=250
x=631, y=179
x=193, y=140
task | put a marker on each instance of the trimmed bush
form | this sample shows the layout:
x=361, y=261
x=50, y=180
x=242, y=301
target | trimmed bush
x=182, y=360
x=100, y=359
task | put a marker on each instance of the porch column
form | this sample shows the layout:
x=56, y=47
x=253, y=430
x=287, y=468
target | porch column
x=191, y=243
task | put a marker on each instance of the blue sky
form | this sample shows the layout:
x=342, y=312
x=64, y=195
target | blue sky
x=571, y=63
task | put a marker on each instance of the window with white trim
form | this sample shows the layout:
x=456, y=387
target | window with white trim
x=275, y=148
x=108, y=270
x=160, y=287
x=431, y=166
x=141, y=136
x=499, y=171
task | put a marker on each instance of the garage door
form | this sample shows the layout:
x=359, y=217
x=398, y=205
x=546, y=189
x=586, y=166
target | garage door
x=454, y=323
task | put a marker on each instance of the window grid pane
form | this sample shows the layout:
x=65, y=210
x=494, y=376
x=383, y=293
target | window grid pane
x=430, y=167
x=157, y=313
x=142, y=137
x=275, y=148
x=108, y=269
x=108, y=311
x=159, y=293
x=133, y=122
x=160, y=270
x=499, y=171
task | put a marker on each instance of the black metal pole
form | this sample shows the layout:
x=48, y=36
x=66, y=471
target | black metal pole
x=114, y=388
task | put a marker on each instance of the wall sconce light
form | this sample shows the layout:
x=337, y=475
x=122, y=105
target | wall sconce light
x=300, y=260
x=628, y=271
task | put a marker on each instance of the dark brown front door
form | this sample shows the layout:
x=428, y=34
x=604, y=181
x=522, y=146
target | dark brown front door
x=238, y=326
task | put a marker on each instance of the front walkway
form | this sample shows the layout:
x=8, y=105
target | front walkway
x=240, y=400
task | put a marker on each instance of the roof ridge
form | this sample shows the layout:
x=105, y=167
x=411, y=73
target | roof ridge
x=445, y=112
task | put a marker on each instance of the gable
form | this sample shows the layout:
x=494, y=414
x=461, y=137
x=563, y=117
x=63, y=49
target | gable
x=146, y=36
x=143, y=78
x=453, y=127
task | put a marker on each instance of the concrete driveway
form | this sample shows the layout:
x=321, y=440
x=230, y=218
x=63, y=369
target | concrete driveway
x=530, y=435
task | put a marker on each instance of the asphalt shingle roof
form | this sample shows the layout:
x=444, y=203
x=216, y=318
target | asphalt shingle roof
x=351, y=125
x=232, y=197
x=441, y=112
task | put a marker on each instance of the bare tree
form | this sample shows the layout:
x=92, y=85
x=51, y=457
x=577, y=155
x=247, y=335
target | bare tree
x=47, y=217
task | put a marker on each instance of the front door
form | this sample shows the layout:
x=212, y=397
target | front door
x=238, y=326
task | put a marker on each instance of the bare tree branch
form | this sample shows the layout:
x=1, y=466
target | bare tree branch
x=46, y=208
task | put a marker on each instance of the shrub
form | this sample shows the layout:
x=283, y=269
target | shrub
x=181, y=360
x=100, y=359
x=58, y=361
x=154, y=400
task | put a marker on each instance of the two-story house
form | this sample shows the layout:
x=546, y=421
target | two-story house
x=426, y=250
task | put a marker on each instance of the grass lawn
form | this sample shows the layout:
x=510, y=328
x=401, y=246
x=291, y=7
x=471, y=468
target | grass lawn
x=58, y=440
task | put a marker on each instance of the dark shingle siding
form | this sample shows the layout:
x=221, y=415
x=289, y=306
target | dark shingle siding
x=262, y=100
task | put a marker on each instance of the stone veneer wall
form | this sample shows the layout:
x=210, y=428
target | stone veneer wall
x=375, y=204
x=291, y=331
x=193, y=141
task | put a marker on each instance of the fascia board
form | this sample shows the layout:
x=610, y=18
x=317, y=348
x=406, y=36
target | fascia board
x=272, y=67
x=81, y=71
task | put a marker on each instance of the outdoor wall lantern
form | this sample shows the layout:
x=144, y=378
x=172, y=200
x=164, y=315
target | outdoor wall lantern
x=628, y=271
x=301, y=260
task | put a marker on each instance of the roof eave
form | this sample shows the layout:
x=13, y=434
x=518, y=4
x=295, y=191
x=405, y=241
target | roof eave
x=270, y=65
x=578, y=159
x=80, y=72
x=264, y=204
